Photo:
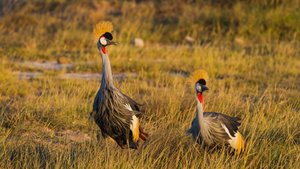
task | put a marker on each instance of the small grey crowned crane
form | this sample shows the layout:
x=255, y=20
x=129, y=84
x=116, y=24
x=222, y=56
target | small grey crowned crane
x=213, y=128
x=115, y=113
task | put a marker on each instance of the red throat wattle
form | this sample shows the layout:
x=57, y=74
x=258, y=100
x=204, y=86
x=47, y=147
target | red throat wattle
x=200, y=97
x=103, y=50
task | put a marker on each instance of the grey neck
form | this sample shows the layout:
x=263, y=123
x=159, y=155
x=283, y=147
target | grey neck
x=107, y=79
x=199, y=113
x=204, y=124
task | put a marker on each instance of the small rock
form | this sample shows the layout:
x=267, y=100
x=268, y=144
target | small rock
x=63, y=60
x=138, y=42
x=189, y=39
x=240, y=41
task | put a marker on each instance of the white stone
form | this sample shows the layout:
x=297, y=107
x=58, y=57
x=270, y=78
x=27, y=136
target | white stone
x=189, y=39
x=138, y=42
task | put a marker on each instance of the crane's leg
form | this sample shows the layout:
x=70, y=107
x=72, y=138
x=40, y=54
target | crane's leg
x=107, y=154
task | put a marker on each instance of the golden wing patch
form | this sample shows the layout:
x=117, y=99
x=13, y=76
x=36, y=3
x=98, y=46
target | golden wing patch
x=101, y=28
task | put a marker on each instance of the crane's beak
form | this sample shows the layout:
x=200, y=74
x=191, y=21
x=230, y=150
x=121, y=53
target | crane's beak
x=204, y=88
x=110, y=42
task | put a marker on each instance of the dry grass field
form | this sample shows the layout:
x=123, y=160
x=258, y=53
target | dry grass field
x=50, y=67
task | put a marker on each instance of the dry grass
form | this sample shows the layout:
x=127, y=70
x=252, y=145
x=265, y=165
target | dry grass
x=44, y=121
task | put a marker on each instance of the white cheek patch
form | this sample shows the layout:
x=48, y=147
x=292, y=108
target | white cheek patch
x=103, y=41
x=198, y=87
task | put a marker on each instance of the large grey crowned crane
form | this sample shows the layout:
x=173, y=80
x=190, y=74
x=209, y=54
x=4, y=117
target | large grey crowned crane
x=213, y=128
x=116, y=114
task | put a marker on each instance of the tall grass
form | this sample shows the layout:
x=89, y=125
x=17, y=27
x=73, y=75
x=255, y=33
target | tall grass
x=249, y=48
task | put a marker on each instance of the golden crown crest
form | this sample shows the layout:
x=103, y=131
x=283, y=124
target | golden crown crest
x=197, y=75
x=102, y=27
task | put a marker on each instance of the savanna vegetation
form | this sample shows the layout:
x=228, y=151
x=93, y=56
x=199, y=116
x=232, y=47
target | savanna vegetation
x=250, y=48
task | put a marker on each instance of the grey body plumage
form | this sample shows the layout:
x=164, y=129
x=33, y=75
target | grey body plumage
x=215, y=133
x=113, y=111
x=112, y=116
x=213, y=128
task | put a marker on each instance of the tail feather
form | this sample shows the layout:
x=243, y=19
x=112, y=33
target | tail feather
x=239, y=143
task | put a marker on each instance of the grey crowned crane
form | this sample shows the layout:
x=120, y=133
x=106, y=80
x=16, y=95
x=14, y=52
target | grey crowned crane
x=213, y=128
x=115, y=113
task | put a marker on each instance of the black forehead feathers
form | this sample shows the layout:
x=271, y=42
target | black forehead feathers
x=108, y=35
x=201, y=81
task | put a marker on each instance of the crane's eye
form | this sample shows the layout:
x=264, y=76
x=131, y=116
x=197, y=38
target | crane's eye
x=103, y=41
